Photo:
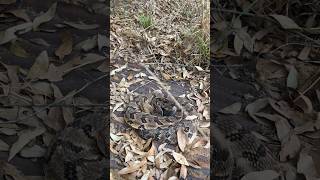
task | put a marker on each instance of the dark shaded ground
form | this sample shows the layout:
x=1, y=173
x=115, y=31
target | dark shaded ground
x=96, y=92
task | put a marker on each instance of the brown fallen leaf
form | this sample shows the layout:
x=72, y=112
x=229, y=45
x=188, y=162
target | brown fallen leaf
x=180, y=158
x=45, y=17
x=81, y=25
x=40, y=66
x=182, y=139
x=24, y=138
x=65, y=47
x=133, y=168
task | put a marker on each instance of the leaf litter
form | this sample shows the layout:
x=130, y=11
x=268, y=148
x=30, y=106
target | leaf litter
x=285, y=70
x=32, y=105
x=155, y=48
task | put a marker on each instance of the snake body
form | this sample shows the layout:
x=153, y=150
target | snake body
x=236, y=151
x=161, y=118
x=75, y=153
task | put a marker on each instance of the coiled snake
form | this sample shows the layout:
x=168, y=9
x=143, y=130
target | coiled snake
x=156, y=116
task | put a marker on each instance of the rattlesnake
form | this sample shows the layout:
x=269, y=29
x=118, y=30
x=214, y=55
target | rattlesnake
x=156, y=116
x=79, y=152
x=236, y=151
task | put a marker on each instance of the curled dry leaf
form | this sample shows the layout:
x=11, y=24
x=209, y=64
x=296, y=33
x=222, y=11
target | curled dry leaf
x=24, y=138
x=45, y=17
x=133, y=168
x=261, y=175
x=40, y=66
x=232, y=109
x=65, y=47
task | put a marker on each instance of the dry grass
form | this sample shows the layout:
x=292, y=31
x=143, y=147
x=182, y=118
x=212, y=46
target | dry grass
x=161, y=31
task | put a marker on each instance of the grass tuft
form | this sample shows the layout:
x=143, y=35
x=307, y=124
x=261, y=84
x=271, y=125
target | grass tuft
x=145, y=21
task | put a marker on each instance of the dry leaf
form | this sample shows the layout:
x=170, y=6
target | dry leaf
x=232, y=109
x=40, y=66
x=9, y=34
x=292, y=79
x=18, y=50
x=304, y=54
x=81, y=25
x=24, y=138
x=39, y=41
x=180, y=158
x=133, y=167
x=65, y=47
x=255, y=107
x=285, y=22
x=261, y=175
x=3, y=146
x=87, y=44
x=20, y=13
x=238, y=44
x=306, y=166
x=182, y=139
x=10, y=170
x=45, y=17
x=32, y=152
x=183, y=172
